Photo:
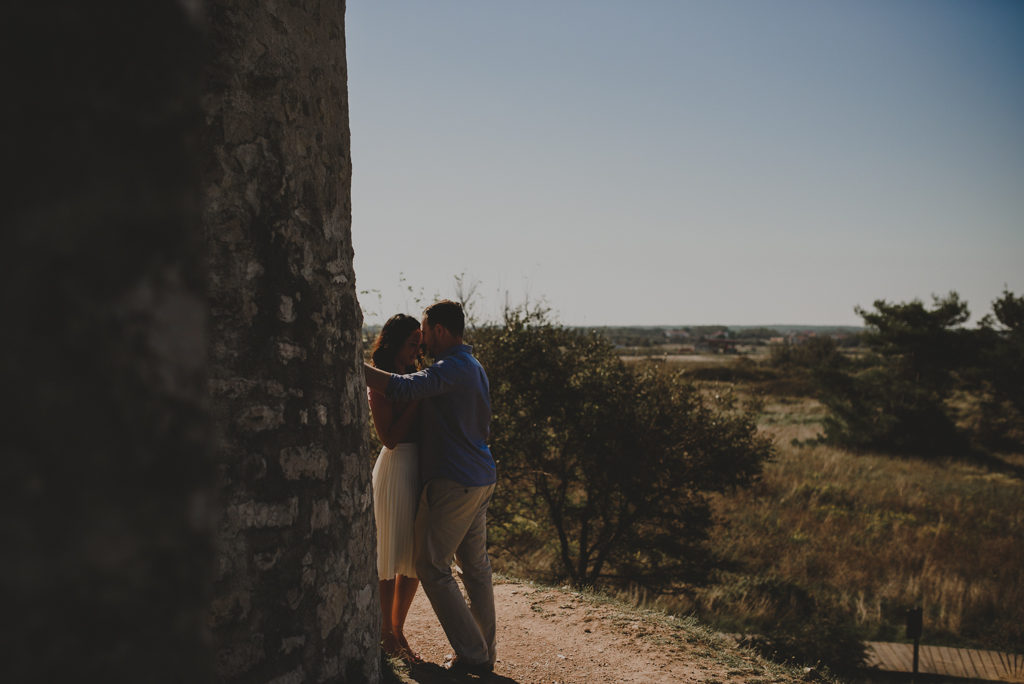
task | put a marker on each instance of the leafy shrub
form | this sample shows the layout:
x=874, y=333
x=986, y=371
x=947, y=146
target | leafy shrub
x=897, y=404
x=879, y=409
x=997, y=373
x=814, y=354
x=899, y=400
x=608, y=464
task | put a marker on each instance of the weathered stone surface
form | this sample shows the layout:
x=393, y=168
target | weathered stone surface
x=296, y=677
x=304, y=462
x=321, y=515
x=175, y=252
x=260, y=418
x=288, y=351
x=285, y=359
x=254, y=514
x=330, y=607
x=240, y=656
x=104, y=459
x=230, y=607
x=290, y=644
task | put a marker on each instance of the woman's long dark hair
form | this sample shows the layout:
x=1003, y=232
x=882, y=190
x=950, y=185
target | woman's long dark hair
x=391, y=338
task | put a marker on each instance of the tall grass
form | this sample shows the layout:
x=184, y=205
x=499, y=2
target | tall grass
x=830, y=541
x=870, y=536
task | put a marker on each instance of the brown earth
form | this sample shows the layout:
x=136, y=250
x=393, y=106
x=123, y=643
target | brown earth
x=550, y=635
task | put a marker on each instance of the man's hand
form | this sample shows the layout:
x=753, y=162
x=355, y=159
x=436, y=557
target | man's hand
x=376, y=379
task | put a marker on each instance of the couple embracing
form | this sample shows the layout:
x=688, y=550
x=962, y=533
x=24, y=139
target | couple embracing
x=432, y=482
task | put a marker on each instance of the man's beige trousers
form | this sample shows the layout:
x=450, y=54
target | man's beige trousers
x=452, y=523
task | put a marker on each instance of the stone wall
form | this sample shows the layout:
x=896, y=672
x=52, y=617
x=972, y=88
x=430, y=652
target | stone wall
x=105, y=515
x=185, y=495
x=295, y=586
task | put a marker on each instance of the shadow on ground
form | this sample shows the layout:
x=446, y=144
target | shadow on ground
x=429, y=673
x=869, y=676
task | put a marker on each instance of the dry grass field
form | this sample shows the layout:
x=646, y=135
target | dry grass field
x=830, y=547
x=869, y=536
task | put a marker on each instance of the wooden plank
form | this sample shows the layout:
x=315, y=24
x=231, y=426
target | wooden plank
x=954, y=660
x=903, y=656
x=961, y=662
x=999, y=666
x=891, y=656
x=1005, y=661
x=981, y=664
x=958, y=661
x=972, y=660
x=988, y=661
x=873, y=656
x=929, y=658
x=943, y=660
x=1014, y=667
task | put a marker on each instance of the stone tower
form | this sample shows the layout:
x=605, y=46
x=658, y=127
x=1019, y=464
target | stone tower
x=105, y=516
x=295, y=585
x=185, y=493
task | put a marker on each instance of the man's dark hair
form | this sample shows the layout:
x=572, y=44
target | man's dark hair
x=447, y=313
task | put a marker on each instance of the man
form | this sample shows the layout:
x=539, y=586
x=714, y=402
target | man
x=458, y=474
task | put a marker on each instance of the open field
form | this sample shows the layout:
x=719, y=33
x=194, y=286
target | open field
x=870, y=536
x=830, y=547
x=862, y=536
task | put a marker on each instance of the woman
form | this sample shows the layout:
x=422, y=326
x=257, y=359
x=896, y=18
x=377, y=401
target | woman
x=396, y=486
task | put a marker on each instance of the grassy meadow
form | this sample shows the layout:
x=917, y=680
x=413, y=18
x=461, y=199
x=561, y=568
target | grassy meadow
x=832, y=536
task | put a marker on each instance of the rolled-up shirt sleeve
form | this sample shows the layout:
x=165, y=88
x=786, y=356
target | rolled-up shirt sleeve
x=429, y=382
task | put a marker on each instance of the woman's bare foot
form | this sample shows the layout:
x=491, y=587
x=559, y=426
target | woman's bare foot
x=392, y=646
x=407, y=654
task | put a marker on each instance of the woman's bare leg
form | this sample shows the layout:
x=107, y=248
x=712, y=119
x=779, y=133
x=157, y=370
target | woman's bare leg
x=388, y=641
x=405, y=591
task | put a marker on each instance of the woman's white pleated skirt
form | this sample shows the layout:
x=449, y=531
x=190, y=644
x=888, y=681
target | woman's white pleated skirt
x=396, y=492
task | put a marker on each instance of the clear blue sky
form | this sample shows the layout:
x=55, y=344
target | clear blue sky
x=681, y=162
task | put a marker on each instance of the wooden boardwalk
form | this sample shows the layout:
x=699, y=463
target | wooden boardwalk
x=951, y=662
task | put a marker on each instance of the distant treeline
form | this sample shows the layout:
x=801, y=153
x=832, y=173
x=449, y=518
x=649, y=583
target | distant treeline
x=928, y=385
x=652, y=336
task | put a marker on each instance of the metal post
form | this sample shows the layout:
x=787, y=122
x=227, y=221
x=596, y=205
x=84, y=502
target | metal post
x=917, y=643
x=915, y=625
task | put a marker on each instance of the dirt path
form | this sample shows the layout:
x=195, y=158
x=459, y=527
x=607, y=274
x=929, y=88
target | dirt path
x=553, y=635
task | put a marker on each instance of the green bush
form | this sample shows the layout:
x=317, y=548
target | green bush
x=900, y=398
x=898, y=403
x=997, y=374
x=814, y=354
x=607, y=465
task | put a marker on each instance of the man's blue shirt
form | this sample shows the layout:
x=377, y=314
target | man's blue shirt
x=455, y=417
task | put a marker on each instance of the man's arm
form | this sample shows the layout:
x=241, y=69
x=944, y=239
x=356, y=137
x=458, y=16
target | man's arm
x=441, y=377
x=376, y=379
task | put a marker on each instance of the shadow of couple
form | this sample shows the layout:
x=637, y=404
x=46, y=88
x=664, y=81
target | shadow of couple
x=431, y=673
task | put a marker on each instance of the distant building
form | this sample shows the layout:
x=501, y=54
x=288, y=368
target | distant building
x=716, y=345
